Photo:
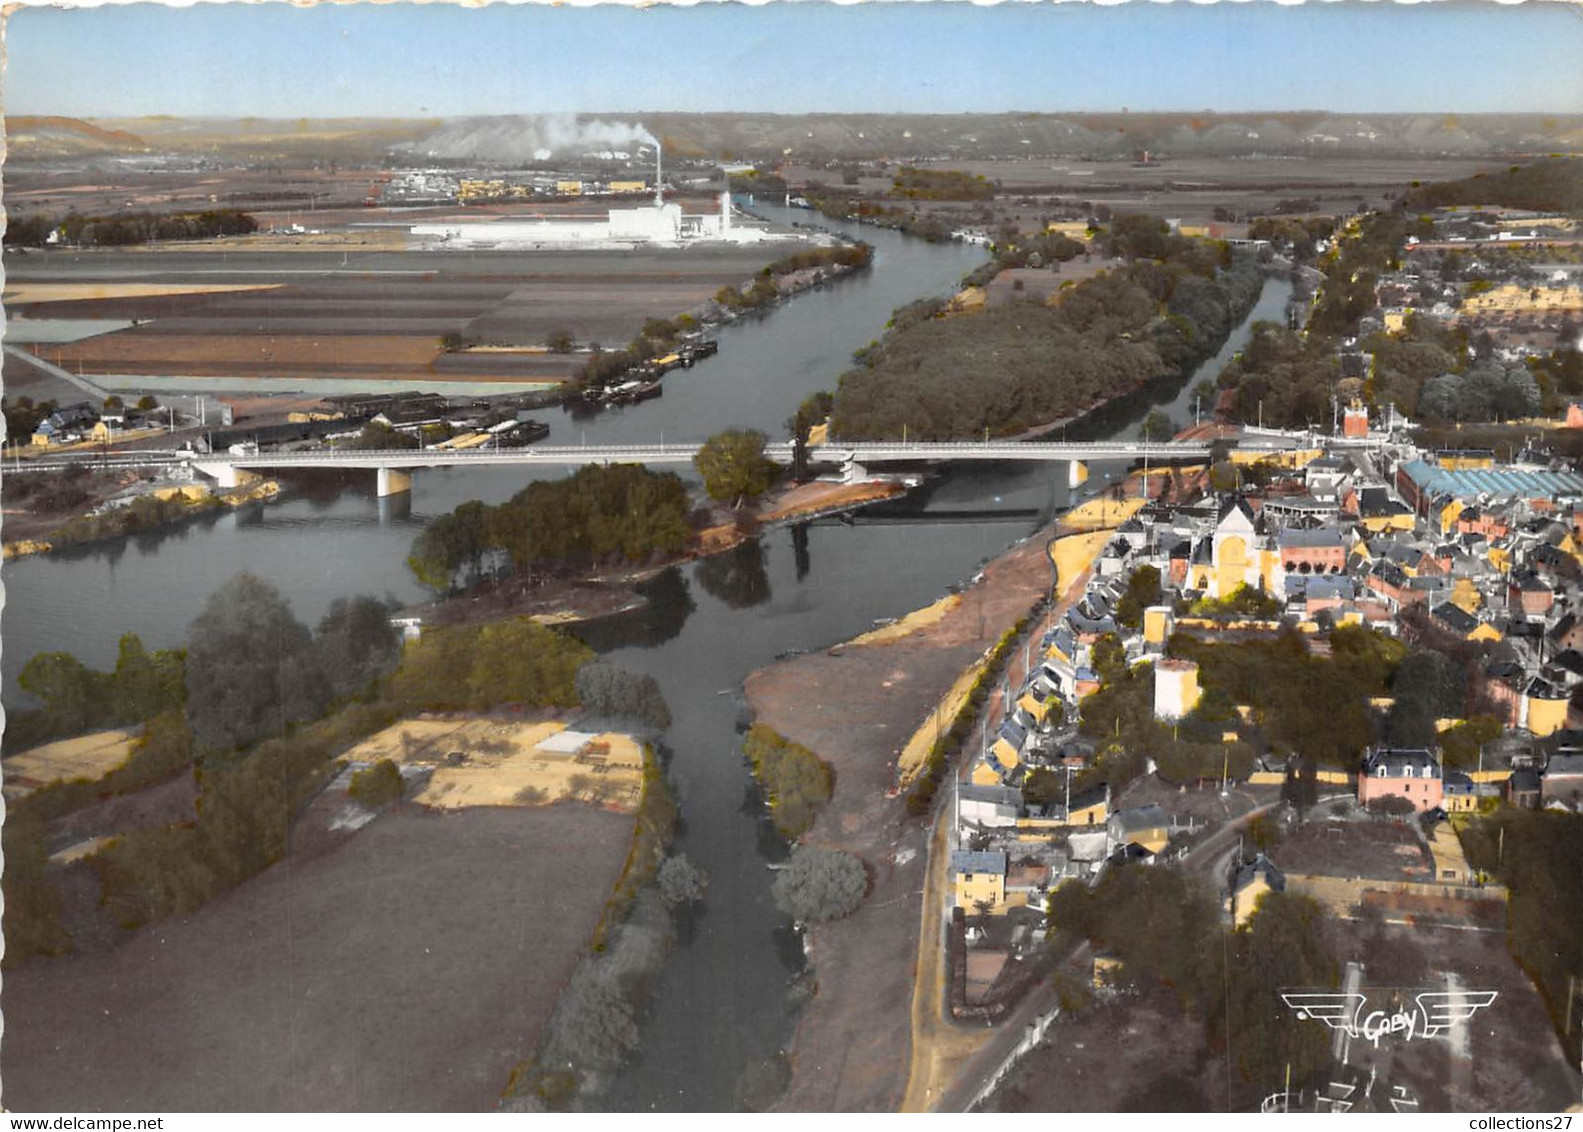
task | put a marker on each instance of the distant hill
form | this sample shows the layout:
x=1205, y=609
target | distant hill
x=511, y=139
x=758, y=137
x=40, y=138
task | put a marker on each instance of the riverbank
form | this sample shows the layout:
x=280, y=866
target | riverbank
x=162, y=507
x=859, y=706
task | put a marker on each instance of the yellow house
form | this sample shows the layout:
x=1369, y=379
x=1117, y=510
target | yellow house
x=980, y=878
x=1252, y=881
x=1145, y=825
x=1458, y=793
x=568, y=188
x=1037, y=700
x=628, y=186
x=984, y=774
x=1501, y=558
x=1396, y=321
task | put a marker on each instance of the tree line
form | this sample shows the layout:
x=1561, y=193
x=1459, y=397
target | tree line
x=1012, y=367
x=124, y=228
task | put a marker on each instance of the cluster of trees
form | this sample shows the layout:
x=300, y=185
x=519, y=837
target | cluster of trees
x=1297, y=236
x=602, y=514
x=763, y=290
x=1538, y=855
x=941, y=184
x=1013, y=367
x=1488, y=391
x=840, y=205
x=477, y=667
x=254, y=670
x=1317, y=707
x=796, y=781
x=1550, y=185
x=123, y=228
x=76, y=699
x=609, y=690
x=1165, y=927
x=144, y=512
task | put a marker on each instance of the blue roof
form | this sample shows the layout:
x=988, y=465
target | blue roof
x=971, y=861
x=1467, y=483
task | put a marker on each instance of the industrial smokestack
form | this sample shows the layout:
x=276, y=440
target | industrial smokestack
x=725, y=212
x=659, y=191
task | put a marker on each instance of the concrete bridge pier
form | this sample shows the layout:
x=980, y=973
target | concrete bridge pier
x=1076, y=474
x=228, y=476
x=393, y=481
x=852, y=471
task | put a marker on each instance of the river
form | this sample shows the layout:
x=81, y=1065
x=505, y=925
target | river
x=721, y=1002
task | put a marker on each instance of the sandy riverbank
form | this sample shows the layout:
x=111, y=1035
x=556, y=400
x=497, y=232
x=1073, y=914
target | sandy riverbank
x=860, y=706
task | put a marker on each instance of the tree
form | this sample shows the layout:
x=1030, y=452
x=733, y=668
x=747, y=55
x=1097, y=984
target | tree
x=1156, y=426
x=559, y=342
x=146, y=404
x=356, y=644
x=680, y=881
x=820, y=884
x=606, y=689
x=734, y=466
x=250, y=668
x=1143, y=590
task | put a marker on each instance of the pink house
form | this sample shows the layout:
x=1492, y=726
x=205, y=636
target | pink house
x=1392, y=772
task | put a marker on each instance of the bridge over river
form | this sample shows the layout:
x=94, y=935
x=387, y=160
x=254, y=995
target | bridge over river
x=395, y=466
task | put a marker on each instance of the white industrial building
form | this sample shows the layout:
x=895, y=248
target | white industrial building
x=660, y=224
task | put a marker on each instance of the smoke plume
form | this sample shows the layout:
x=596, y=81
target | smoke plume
x=537, y=136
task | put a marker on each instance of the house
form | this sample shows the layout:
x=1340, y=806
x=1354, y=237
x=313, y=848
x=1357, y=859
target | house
x=980, y=878
x=1395, y=772
x=1252, y=881
x=1527, y=591
x=1523, y=789
x=1462, y=624
x=1459, y=793
x=1144, y=826
x=990, y=807
x=56, y=427
x=1317, y=551
x=1237, y=556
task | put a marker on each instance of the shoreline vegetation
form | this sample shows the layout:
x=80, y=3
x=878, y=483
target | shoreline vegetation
x=168, y=507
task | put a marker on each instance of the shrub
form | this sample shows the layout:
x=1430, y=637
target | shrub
x=377, y=785
x=680, y=881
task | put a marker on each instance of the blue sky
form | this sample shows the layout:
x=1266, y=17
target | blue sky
x=274, y=60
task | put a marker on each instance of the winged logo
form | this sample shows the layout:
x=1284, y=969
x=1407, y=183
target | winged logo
x=1347, y=1011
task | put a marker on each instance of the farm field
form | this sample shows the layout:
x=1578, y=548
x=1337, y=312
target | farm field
x=85, y=756
x=372, y=314
x=406, y=967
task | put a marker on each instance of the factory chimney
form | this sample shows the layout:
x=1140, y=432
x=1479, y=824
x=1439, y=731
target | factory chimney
x=659, y=191
x=725, y=212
